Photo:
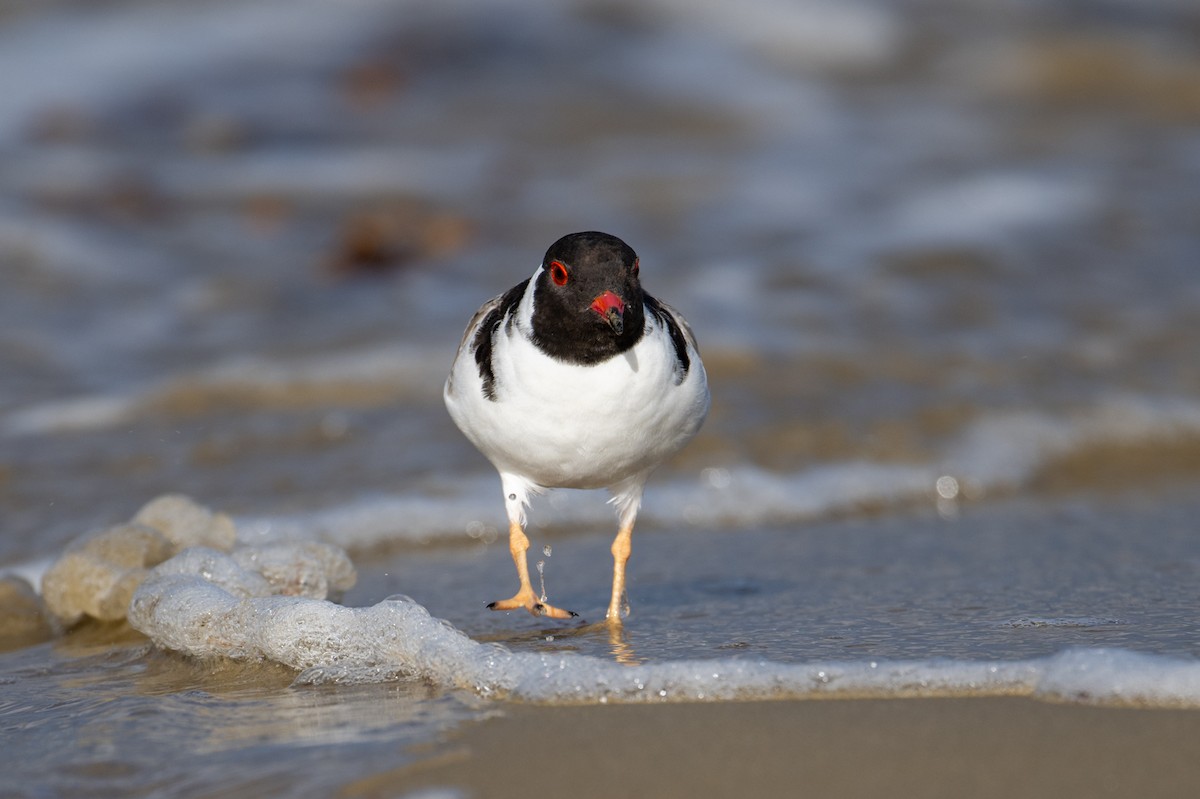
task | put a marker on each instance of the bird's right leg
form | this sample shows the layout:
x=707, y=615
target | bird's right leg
x=515, y=498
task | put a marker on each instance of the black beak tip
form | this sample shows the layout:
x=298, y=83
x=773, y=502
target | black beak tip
x=616, y=322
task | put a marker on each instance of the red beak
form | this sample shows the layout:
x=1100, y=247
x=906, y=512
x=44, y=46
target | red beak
x=612, y=309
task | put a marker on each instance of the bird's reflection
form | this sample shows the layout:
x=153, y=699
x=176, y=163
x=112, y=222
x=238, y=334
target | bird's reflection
x=584, y=638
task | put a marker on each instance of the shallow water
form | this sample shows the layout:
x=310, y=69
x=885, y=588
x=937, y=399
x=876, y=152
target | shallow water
x=998, y=583
x=941, y=262
x=119, y=719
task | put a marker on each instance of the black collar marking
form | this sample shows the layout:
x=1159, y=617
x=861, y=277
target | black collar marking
x=667, y=319
x=505, y=305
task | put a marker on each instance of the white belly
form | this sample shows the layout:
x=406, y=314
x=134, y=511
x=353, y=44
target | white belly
x=570, y=426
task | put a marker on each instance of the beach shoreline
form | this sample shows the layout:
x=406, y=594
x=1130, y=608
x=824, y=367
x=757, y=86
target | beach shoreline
x=978, y=747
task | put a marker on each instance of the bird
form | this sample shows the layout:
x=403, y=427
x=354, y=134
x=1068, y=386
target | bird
x=577, y=378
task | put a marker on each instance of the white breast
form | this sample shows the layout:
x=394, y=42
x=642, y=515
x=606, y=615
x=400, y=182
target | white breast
x=572, y=426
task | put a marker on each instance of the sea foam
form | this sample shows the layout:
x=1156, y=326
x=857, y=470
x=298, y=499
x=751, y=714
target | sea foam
x=98, y=572
x=215, y=605
x=994, y=455
x=220, y=598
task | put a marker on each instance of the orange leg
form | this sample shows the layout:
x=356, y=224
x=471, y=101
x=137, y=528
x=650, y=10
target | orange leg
x=618, y=606
x=518, y=545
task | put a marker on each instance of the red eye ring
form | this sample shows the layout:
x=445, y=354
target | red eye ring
x=558, y=273
x=637, y=263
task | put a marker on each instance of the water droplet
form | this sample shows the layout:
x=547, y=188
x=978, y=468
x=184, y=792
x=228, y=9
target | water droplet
x=546, y=550
x=947, y=487
x=716, y=477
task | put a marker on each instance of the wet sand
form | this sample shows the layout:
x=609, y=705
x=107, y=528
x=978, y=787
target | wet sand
x=985, y=747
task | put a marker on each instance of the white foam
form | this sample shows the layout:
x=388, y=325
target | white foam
x=985, y=206
x=989, y=210
x=66, y=248
x=373, y=520
x=994, y=455
x=392, y=370
x=115, y=52
x=84, y=413
x=741, y=496
x=218, y=568
x=1003, y=451
x=1117, y=676
x=398, y=637
x=324, y=173
x=799, y=32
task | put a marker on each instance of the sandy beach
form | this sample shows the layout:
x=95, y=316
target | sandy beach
x=981, y=748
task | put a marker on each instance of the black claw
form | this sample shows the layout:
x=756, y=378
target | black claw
x=540, y=610
x=491, y=606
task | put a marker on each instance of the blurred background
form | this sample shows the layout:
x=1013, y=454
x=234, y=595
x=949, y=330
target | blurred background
x=239, y=242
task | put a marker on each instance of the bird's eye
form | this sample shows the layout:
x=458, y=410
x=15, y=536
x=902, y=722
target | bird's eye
x=637, y=262
x=558, y=273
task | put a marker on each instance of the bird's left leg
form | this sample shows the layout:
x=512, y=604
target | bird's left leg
x=628, y=498
x=515, y=497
